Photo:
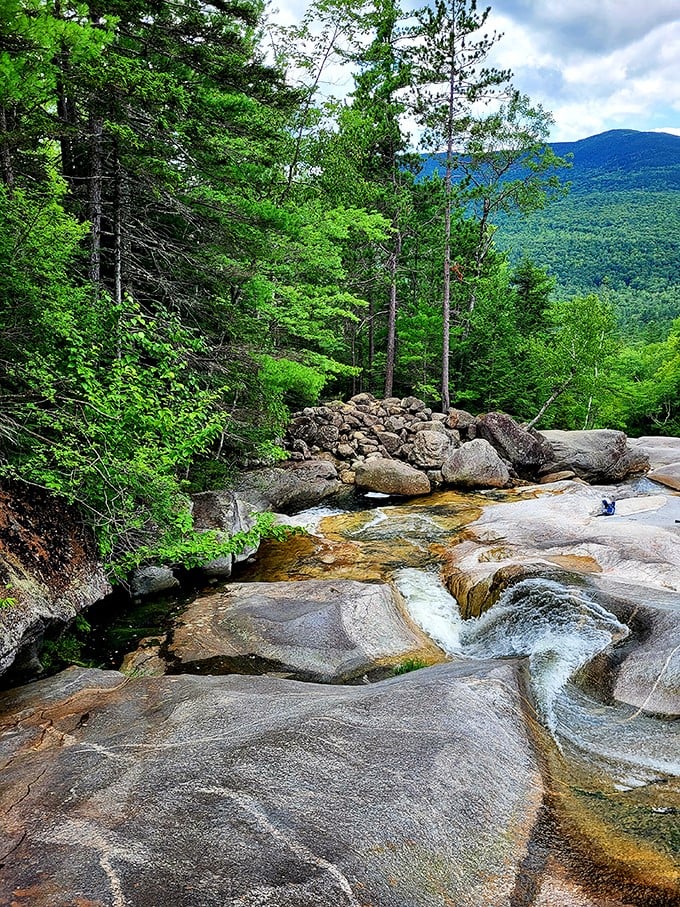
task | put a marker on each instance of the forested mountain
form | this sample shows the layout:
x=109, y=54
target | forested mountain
x=616, y=230
x=194, y=240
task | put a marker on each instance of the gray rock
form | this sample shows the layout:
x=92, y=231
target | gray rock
x=391, y=477
x=289, y=490
x=152, y=580
x=475, y=465
x=228, y=514
x=437, y=427
x=412, y=404
x=431, y=448
x=421, y=791
x=328, y=631
x=527, y=452
x=649, y=677
x=599, y=455
x=389, y=441
x=659, y=450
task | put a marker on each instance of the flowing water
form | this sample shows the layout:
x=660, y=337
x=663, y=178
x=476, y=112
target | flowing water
x=613, y=770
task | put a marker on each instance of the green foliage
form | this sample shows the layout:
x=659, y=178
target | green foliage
x=408, y=665
x=67, y=648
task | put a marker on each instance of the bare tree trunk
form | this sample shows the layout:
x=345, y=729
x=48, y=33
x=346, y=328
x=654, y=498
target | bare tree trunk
x=446, y=301
x=6, y=153
x=119, y=235
x=371, y=344
x=96, y=175
x=392, y=316
x=551, y=399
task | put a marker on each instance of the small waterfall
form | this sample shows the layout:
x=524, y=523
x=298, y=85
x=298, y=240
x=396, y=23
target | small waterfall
x=557, y=628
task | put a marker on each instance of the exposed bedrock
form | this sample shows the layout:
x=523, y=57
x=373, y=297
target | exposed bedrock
x=632, y=558
x=328, y=631
x=49, y=572
x=420, y=791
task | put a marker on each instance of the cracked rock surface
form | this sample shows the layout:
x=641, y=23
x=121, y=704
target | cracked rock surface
x=242, y=791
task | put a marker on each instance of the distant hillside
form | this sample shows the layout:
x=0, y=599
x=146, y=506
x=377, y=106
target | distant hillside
x=623, y=159
x=618, y=228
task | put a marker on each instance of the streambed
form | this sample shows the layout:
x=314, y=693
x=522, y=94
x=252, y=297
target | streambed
x=612, y=770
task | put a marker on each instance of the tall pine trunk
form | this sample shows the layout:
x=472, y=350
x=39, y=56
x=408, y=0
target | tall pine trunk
x=446, y=301
x=392, y=316
x=96, y=181
x=6, y=166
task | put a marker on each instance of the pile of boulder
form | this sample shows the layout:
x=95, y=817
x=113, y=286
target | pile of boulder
x=401, y=446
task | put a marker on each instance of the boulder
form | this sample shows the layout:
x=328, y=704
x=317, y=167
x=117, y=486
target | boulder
x=598, y=456
x=391, y=477
x=390, y=441
x=327, y=631
x=527, y=452
x=413, y=404
x=459, y=419
x=298, y=487
x=147, y=581
x=421, y=791
x=668, y=475
x=660, y=451
x=49, y=570
x=475, y=465
x=228, y=514
x=431, y=448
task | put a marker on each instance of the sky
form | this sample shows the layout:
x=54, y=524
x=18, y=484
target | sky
x=595, y=64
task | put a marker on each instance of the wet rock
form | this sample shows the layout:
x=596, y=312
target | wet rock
x=146, y=660
x=421, y=791
x=599, y=456
x=638, y=546
x=391, y=477
x=328, y=631
x=649, y=676
x=475, y=465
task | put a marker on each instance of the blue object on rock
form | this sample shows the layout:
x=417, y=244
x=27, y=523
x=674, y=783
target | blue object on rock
x=608, y=507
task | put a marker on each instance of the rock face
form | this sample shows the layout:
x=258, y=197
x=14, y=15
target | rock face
x=600, y=455
x=527, y=452
x=667, y=475
x=225, y=512
x=303, y=485
x=49, y=572
x=476, y=465
x=391, y=477
x=649, y=675
x=660, y=451
x=421, y=791
x=326, y=631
